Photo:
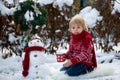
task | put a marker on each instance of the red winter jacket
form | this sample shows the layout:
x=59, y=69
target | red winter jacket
x=81, y=49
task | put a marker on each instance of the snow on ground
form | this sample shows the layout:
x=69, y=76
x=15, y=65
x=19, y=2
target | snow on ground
x=108, y=64
x=108, y=69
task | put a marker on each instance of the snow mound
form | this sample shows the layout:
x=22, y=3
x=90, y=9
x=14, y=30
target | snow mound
x=102, y=70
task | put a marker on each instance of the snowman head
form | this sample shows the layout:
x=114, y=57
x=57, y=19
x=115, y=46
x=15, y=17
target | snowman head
x=35, y=41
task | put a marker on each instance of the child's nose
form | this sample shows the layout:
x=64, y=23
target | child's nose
x=76, y=29
x=35, y=42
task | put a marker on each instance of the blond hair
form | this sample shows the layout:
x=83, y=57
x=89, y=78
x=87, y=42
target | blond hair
x=79, y=21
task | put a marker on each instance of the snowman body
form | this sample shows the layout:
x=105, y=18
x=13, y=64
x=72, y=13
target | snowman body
x=37, y=60
x=37, y=65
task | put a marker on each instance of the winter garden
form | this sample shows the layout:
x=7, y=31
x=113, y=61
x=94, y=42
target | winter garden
x=48, y=19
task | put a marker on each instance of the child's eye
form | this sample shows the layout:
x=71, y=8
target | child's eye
x=38, y=41
x=73, y=27
x=78, y=27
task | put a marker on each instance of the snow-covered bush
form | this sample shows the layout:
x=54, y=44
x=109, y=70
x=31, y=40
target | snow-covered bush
x=106, y=32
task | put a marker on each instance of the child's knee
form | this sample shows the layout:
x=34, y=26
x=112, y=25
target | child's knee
x=69, y=73
x=75, y=73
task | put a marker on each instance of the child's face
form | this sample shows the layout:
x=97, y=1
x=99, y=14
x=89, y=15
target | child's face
x=76, y=29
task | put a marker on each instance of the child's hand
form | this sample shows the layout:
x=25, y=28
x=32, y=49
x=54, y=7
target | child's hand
x=67, y=64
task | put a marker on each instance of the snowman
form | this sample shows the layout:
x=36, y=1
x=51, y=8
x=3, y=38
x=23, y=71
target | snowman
x=34, y=61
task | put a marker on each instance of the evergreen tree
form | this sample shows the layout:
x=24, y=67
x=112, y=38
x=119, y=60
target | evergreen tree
x=28, y=15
